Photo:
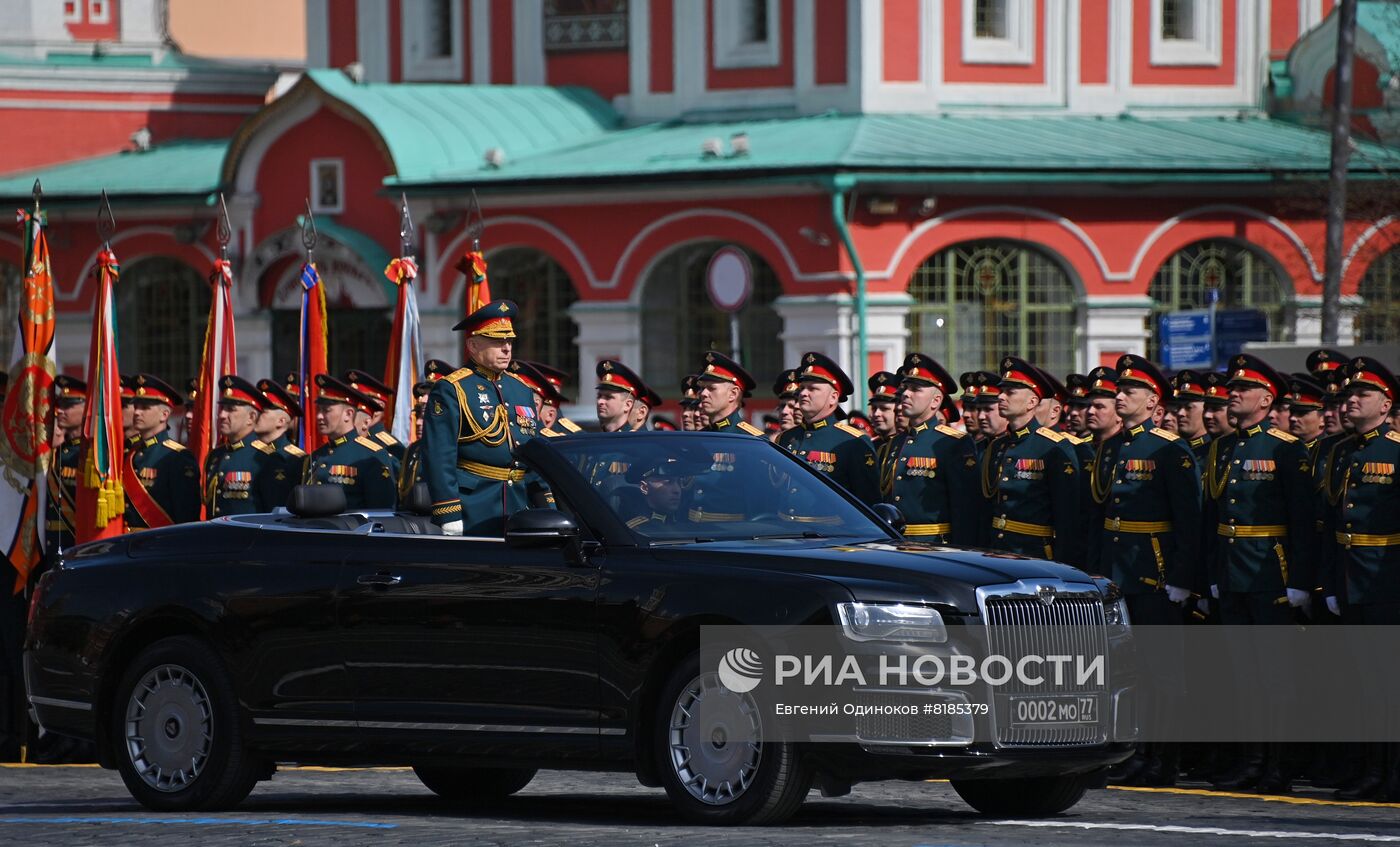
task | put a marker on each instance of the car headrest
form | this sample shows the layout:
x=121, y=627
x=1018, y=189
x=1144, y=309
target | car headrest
x=419, y=502
x=316, y=501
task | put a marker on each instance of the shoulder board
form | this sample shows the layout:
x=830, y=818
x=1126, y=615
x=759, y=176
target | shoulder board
x=262, y=447
x=569, y=425
x=549, y=433
x=386, y=439
x=1281, y=435
x=952, y=431
x=750, y=428
x=293, y=450
x=1051, y=434
x=850, y=430
x=515, y=376
x=172, y=444
x=458, y=375
x=368, y=442
x=637, y=521
x=1393, y=435
x=1074, y=439
x=1166, y=433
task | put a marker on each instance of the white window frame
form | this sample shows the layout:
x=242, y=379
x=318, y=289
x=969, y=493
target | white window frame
x=99, y=17
x=417, y=66
x=75, y=16
x=1207, y=19
x=1017, y=48
x=730, y=52
x=314, y=183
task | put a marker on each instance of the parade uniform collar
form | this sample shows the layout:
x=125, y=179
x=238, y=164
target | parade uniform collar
x=731, y=419
x=154, y=439
x=1381, y=429
x=1129, y=433
x=821, y=423
x=236, y=445
x=1197, y=441
x=339, y=440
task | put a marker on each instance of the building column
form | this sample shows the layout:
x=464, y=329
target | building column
x=255, y=343
x=1114, y=326
x=829, y=324
x=1307, y=322
x=606, y=330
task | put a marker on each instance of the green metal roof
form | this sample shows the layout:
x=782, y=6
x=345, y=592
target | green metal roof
x=1381, y=18
x=167, y=60
x=175, y=170
x=429, y=129
x=958, y=147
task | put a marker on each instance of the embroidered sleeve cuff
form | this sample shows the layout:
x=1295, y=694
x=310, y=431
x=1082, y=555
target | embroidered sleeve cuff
x=452, y=507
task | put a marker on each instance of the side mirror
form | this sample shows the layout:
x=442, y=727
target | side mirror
x=541, y=528
x=890, y=514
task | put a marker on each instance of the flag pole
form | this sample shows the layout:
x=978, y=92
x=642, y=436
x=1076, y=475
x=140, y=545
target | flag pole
x=403, y=365
x=313, y=333
x=101, y=495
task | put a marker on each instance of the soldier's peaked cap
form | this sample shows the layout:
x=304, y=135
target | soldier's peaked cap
x=333, y=390
x=236, y=389
x=819, y=367
x=494, y=320
x=717, y=367
x=150, y=387
x=615, y=376
x=277, y=397
x=920, y=368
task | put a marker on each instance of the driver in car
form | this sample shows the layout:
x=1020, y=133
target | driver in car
x=664, y=485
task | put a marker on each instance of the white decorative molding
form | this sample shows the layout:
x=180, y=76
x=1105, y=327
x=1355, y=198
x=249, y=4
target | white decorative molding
x=85, y=273
x=372, y=38
x=415, y=30
x=481, y=42
x=729, y=48
x=318, y=36
x=639, y=48
x=245, y=178
x=1203, y=47
x=528, y=52
x=1371, y=232
x=1016, y=47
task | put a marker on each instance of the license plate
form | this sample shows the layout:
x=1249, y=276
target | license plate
x=1052, y=710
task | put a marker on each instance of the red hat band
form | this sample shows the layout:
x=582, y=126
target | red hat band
x=820, y=373
x=1022, y=379
x=1371, y=380
x=721, y=372
x=618, y=381
x=1140, y=377
x=1256, y=378
x=238, y=395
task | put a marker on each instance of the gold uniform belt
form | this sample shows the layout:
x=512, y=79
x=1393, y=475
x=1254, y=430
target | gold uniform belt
x=1034, y=529
x=1144, y=527
x=492, y=472
x=1361, y=539
x=928, y=529
x=1264, y=531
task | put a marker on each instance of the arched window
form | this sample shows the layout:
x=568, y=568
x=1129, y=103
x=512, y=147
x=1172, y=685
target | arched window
x=162, y=310
x=1245, y=281
x=543, y=291
x=679, y=323
x=982, y=300
x=11, y=290
x=1378, y=322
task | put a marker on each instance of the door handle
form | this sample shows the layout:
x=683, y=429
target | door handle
x=379, y=579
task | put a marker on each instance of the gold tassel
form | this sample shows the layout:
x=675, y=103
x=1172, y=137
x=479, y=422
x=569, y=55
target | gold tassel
x=111, y=503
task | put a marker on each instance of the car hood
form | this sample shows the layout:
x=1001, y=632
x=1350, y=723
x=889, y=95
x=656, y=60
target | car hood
x=885, y=569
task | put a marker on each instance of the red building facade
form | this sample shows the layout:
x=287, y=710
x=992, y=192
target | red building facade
x=963, y=177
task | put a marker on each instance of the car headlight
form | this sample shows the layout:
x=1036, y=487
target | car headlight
x=1115, y=608
x=891, y=622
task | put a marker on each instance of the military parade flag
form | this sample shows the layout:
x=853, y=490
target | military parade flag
x=473, y=265
x=404, y=366
x=101, y=498
x=28, y=409
x=220, y=357
x=312, y=360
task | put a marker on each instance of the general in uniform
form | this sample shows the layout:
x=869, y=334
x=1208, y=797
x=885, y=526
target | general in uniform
x=1030, y=475
x=357, y=463
x=162, y=477
x=477, y=416
x=930, y=470
x=829, y=445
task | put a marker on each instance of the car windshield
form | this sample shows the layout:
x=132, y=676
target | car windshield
x=692, y=486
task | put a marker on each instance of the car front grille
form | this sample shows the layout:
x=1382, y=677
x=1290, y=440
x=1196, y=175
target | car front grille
x=1021, y=621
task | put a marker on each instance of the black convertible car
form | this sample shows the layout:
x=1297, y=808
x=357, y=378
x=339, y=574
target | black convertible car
x=198, y=656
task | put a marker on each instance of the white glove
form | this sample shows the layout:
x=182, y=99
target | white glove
x=452, y=528
x=1298, y=598
x=1334, y=606
x=1203, y=605
x=1215, y=591
x=1178, y=595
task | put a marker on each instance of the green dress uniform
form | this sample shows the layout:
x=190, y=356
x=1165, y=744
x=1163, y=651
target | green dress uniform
x=931, y=470
x=1028, y=477
x=386, y=440
x=1149, y=487
x=475, y=419
x=384, y=396
x=1260, y=503
x=1365, y=525
x=838, y=450
x=61, y=509
x=170, y=474
x=244, y=477
x=357, y=464
x=928, y=472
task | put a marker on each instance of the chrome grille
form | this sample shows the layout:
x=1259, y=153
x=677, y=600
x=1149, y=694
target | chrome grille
x=1020, y=623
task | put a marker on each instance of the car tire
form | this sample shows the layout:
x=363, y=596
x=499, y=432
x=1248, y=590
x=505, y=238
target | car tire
x=176, y=734
x=1034, y=797
x=469, y=786
x=695, y=768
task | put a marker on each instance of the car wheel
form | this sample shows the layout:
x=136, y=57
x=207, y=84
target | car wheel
x=712, y=757
x=474, y=785
x=1022, y=798
x=176, y=735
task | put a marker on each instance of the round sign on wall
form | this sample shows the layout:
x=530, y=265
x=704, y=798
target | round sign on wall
x=729, y=279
